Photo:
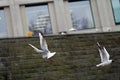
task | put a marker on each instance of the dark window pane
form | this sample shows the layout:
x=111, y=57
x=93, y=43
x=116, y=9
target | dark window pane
x=116, y=10
x=3, y=31
x=38, y=19
x=81, y=14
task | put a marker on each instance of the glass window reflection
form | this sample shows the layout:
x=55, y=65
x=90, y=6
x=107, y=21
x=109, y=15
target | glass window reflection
x=3, y=30
x=81, y=15
x=116, y=10
x=38, y=19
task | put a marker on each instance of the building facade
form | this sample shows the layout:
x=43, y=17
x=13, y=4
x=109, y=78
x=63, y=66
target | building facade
x=18, y=17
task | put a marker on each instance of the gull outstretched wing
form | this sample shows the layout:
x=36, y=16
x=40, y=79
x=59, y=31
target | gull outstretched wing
x=103, y=54
x=106, y=54
x=36, y=49
x=43, y=43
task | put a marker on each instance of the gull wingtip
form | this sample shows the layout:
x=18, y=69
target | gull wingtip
x=98, y=43
x=97, y=65
x=29, y=44
x=40, y=34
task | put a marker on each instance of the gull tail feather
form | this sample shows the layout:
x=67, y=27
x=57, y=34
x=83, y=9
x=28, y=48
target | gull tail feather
x=98, y=65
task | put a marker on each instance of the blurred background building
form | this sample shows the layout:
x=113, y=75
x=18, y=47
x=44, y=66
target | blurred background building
x=50, y=17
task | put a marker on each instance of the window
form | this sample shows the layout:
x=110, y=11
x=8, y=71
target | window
x=3, y=30
x=116, y=10
x=81, y=14
x=38, y=19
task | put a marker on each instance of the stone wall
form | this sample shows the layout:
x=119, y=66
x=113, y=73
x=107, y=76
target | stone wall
x=76, y=58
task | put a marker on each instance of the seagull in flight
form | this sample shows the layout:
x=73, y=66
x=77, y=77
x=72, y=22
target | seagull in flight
x=44, y=48
x=104, y=56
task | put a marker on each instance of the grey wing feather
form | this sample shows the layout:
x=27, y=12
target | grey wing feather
x=43, y=43
x=36, y=49
x=104, y=54
x=107, y=56
x=101, y=55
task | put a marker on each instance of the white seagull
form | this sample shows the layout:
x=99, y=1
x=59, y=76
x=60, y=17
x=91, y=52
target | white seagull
x=45, y=52
x=104, y=56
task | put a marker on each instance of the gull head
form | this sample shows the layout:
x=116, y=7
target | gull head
x=110, y=61
x=49, y=55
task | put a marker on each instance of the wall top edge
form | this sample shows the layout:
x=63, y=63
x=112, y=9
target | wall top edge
x=22, y=2
x=87, y=34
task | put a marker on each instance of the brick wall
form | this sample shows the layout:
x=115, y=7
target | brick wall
x=76, y=58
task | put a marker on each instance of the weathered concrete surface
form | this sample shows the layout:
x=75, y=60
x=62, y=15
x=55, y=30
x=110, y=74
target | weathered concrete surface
x=76, y=58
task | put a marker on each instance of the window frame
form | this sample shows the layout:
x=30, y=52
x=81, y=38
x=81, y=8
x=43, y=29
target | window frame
x=90, y=10
x=114, y=13
x=6, y=33
x=51, y=14
x=36, y=5
x=95, y=16
x=8, y=22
